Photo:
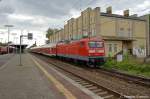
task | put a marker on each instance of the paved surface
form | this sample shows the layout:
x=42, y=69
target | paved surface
x=4, y=58
x=33, y=81
x=25, y=82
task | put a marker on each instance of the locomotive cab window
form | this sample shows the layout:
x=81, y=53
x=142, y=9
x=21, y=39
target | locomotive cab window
x=96, y=44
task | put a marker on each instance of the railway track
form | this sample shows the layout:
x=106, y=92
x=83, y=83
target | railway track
x=92, y=85
x=124, y=76
x=129, y=78
x=87, y=83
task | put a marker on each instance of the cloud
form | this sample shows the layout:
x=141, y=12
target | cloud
x=20, y=17
x=49, y=8
x=142, y=8
x=6, y=8
x=35, y=13
x=40, y=14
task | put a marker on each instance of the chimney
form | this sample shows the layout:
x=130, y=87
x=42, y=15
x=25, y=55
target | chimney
x=109, y=10
x=126, y=13
x=97, y=9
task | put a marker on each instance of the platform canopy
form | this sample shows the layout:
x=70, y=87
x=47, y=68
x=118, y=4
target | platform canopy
x=23, y=46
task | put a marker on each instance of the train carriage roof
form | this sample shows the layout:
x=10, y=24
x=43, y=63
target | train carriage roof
x=45, y=46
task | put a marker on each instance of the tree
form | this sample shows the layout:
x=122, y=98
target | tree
x=47, y=41
x=50, y=32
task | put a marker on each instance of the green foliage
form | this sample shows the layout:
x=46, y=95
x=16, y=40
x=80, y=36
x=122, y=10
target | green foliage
x=3, y=44
x=130, y=66
x=50, y=32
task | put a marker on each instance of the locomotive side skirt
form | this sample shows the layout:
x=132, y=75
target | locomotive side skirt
x=83, y=58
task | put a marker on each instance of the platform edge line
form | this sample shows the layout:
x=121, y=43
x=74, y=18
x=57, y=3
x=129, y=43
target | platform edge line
x=59, y=86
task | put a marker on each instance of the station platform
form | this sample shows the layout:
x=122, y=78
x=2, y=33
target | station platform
x=33, y=80
x=4, y=58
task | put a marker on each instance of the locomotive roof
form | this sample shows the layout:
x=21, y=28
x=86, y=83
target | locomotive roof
x=49, y=45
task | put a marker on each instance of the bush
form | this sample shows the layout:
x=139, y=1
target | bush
x=129, y=66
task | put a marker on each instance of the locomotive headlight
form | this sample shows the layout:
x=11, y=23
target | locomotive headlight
x=91, y=51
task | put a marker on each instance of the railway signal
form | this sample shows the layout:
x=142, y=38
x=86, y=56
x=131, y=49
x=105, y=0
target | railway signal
x=30, y=36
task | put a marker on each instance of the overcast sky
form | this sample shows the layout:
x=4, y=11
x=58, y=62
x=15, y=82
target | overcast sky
x=37, y=15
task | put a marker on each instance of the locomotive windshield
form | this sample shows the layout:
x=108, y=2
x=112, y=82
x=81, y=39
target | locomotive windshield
x=95, y=44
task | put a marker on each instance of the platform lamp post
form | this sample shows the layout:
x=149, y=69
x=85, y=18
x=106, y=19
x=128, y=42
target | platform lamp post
x=8, y=26
x=14, y=35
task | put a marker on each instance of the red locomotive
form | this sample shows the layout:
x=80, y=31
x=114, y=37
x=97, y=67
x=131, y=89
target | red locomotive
x=89, y=50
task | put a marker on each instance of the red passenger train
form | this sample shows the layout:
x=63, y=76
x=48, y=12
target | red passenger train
x=89, y=50
x=4, y=49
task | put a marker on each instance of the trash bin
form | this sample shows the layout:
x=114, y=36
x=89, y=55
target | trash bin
x=119, y=58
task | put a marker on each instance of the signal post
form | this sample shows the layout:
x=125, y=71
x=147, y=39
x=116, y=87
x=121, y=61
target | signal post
x=30, y=37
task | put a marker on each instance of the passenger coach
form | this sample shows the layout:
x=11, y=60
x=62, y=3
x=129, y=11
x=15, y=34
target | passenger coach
x=88, y=50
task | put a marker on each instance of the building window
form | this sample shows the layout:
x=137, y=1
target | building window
x=115, y=47
x=110, y=47
x=129, y=29
x=121, y=29
x=129, y=34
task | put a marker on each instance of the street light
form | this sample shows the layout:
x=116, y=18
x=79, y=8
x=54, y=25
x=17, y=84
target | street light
x=8, y=26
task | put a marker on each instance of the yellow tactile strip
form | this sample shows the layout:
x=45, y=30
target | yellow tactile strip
x=58, y=85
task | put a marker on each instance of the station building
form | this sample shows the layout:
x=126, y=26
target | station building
x=147, y=18
x=121, y=33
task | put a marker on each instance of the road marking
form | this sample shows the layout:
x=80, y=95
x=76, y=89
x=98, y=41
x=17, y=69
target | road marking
x=58, y=85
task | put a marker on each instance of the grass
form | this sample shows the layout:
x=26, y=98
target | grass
x=130, y=66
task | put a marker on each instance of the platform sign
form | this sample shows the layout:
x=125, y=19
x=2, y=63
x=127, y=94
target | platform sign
x=30, y=36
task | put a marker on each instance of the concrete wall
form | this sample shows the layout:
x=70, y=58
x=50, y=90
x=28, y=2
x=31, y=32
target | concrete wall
x=118, y=28
x=147, y=18
x=112, y=47
x=107, y=26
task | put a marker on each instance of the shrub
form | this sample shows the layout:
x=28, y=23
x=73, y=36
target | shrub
x=130, y=66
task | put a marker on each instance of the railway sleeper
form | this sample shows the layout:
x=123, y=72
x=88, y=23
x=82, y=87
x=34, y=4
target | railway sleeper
x=82, y=82
x=108, y=97
x=92, y=88
x=87, y=86
x=85, y=83
x=102, y=93
x=76, y=79
x=97, y=90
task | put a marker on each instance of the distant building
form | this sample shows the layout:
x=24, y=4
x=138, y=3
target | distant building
x=122, y=33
